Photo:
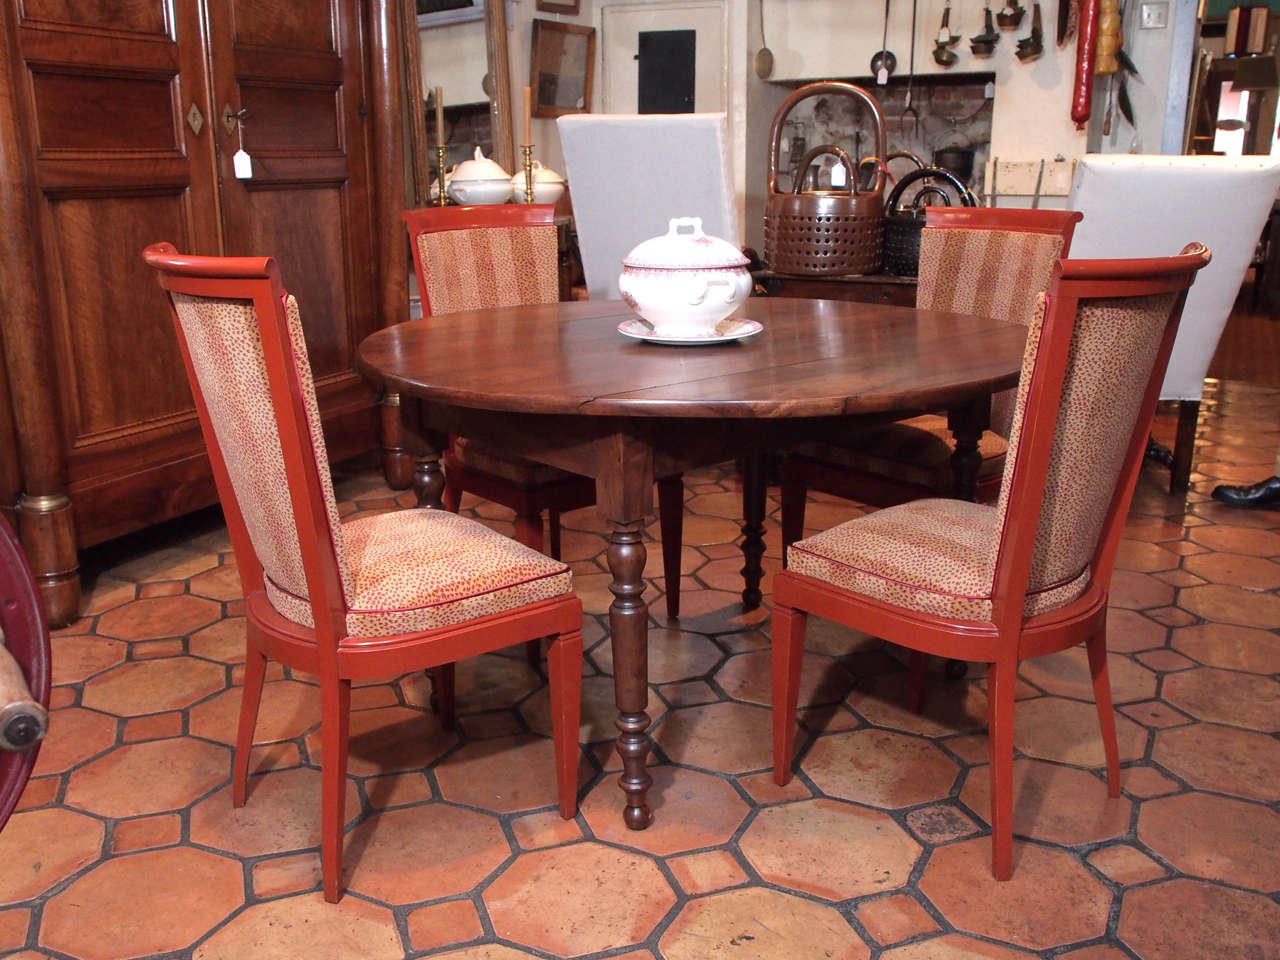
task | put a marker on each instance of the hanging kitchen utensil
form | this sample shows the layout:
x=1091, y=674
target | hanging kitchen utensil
x=764, y=56
x=907, y=106
x=1011, y=15
x=1064, y=18
x=984, y=44
x=883, y=61
x=902, y=227
x=943, y=55
x=824, y=232
x=1031, y=47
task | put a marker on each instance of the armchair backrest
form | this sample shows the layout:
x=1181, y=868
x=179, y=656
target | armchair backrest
x=1097, y=347
x=472, y=258
x=241, y=340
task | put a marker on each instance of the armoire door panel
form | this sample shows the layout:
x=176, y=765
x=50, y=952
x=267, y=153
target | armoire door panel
x=99, y=111
x=127, y=16
x=290, y=119
x=99, y=49
x=286, y=24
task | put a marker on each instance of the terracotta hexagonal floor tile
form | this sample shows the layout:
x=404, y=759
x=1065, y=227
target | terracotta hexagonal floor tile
x=490, y=682
x=1050, y=900
x=486, y=951
x=879, y=767
x=895, y=918
x=598, y=710
x=955, y=946
x=1240, y=569
x=1238, y=539
x=40, y=848
x=673, y=655
x=167, y=563
x=829, y=849
x=711, y=611
x=220, y=583
x=149, y=777
x=281, y=813
x=503, y=775
x=76, y=658
x=388, y=740
x=158, y=617
x=1066, y=674
x=443, y=924
x=1224, y=696
x=1144, y=556
x=837, y=640
x=760, y=924
x=306, y=926
x=288, y=709
x=1052, y=802
x=74, y=736
x=1212, y=921
x=1232, y=648
x=103, y=593
x=1222, y=759
x=223, y=641
x=885, y=700
x=153, y=686
x=706, y=872
x=1139, y=591
x=1231, y=604
x=1216, y=838
x=726, y=737
x=423, y=853
x=578, y=899
x=1129, y=631
x=1126, y=865
x=746, y=677
x=690, y=810
x=191, y=889
x=940, y=823
x=1052, y=728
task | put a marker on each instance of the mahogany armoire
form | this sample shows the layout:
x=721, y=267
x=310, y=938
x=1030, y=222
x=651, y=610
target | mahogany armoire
x=119, y=120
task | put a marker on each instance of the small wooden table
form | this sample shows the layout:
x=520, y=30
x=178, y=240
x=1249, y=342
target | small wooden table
x=863, y=288
x=558, y=383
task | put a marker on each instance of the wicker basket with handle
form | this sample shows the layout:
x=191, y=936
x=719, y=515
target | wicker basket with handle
x=824, y=232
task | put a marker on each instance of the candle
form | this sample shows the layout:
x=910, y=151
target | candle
x=528, y=116
x=439, y=97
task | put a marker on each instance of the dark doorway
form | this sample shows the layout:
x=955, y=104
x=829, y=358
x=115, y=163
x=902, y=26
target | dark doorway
x=666, y=60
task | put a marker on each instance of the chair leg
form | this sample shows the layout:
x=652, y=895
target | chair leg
x=919, y=667
x=442, y=696
x=794, y=493
x=1184, y=446
x=529, y=532
x=255, y=671
x=786, y=653
x=335, y=699
x=564, y=664
x=451, y=497
x=1001, y=682
x=553, y=524
x=671, y=521
x=1097, y=649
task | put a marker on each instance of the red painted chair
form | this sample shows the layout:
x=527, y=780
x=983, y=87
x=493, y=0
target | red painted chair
x=1029, y=575
x=373, y=596
x=501, y=256
x=975, y=260
x=24, y=672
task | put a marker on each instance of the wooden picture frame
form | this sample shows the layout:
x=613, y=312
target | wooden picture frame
x=570, y=7
x=462, y=12
x=561, y=68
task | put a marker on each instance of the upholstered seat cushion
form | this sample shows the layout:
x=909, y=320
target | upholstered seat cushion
x=916, y=451
x=478, y=455
x=934, y=556
x=416, y=570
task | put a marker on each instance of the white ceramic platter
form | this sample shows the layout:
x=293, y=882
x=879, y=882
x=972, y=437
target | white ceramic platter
x=726, y=331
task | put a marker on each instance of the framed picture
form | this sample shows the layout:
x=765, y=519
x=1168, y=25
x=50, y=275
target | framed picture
x=561, y=65
x=438, y=13
x=571, y=7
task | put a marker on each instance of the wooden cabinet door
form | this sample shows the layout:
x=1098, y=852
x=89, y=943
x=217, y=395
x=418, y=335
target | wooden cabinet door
x=118, y=119
x=292, y=70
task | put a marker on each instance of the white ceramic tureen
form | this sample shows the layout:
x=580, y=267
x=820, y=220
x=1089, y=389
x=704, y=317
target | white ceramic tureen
x=684, y=282
x=479, y=181
x=547, y=184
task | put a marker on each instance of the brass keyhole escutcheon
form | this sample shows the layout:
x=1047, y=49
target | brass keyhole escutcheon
x=230, y=118
x=195, y=118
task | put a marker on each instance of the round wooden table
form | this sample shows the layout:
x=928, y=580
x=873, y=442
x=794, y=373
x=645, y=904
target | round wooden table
x=559, y=384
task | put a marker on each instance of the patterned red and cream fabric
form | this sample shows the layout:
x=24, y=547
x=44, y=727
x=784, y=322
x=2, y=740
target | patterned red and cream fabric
x=226, y=351
x=1113, y=348
x=416, y=570
x=934, y=556
x=478, y=455
x=986, y=273
x=916, y=451
x=489, y=267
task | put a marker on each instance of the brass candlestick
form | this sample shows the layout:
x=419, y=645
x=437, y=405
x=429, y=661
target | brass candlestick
x=441, y=199
x=527, y=151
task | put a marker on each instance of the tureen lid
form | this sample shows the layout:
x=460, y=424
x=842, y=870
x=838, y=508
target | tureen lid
x=685, y=247
x=541, y=174
x=480, y=168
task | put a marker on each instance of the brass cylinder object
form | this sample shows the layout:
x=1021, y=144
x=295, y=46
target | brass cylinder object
x=527, y=151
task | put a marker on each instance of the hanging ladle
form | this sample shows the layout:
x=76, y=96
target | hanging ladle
x=943, y=55
x=984, y=44
x=883, y=61
x=1031, y=47
x=764, y=56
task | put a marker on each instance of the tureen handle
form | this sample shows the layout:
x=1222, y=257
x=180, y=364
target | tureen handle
x=675, y=223
x=725, y=282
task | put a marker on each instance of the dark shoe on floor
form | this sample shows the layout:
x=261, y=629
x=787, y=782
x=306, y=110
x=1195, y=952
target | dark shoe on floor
x=1264, y=495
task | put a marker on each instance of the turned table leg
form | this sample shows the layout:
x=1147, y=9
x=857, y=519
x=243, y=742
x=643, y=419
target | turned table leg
x=966, y=423
x=753, y=503
x=629, y=632
x=428, y=475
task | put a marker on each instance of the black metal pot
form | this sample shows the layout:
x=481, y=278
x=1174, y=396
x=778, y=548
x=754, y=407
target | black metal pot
x=959, y=160
x=902, y=227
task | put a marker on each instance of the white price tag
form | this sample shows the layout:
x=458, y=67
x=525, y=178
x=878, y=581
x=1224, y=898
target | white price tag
x=989, y=90
x=839, y=176
x=242, y=164
x=882, y=76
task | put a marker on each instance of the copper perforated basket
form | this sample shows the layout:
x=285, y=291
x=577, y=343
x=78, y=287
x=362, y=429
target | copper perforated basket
x=824, y=232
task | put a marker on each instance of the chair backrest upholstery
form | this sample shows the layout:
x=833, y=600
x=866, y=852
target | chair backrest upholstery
x=1097, y=347
x=242, y=341
x=991, y=262
x=473, y=258
x=629, y=175
x=1142, y=206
